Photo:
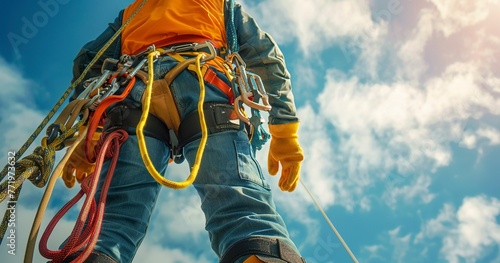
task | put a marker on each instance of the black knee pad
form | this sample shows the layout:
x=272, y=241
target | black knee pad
x=94, y=257
x=266, y=249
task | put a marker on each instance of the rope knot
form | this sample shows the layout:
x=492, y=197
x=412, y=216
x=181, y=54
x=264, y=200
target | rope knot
x=40, y=163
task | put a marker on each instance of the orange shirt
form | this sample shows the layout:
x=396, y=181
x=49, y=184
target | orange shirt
x=168, y=22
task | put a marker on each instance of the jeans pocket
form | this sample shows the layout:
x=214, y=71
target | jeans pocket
x=248, y=168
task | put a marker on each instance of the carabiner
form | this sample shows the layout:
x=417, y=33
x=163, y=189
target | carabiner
x=53, y=131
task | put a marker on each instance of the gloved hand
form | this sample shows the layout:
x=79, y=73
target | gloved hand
x=285, y=150
x=77, y=165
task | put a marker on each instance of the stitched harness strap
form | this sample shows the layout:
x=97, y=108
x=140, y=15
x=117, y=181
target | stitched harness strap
x=212, y=78
x=219, y=117
x=127, y=118
x=209, y=74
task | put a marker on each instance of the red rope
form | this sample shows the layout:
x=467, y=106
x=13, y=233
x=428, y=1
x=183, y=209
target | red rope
x=84, y=238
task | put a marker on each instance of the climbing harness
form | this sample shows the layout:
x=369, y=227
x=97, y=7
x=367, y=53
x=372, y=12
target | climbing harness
x=247, y=89
x=93, y=107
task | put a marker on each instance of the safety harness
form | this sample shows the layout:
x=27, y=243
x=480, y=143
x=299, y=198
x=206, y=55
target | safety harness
x=102, y=92
x=96, y=116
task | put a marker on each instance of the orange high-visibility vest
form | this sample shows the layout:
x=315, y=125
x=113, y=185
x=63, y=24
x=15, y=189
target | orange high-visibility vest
x=169, y=22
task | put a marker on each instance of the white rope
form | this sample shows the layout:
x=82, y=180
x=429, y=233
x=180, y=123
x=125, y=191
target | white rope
x=330, y=223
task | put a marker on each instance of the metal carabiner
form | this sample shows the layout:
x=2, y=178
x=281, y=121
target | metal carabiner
x=259, y=92
x=137, y=68
x=112, y=88
x=53, y=131
x=96, y=84
x=211, y=48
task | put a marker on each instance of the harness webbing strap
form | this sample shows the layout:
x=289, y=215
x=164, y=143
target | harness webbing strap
x=219, y=118
x=127, y=118
x=212, y=78
x=163, y=104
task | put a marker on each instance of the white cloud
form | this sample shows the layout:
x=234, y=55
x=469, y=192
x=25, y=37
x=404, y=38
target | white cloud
x=386, y=126
x=489, y=135
x=467, y=233
x=319, y=149
x=19, y=116
x=179, y=217
x=412, y=50
x=300, y=22
x=400, y=245
x=454, y=15
x=419, y=188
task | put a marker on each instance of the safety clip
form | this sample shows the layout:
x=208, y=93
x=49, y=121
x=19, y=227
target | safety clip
x=53, y=131
x=248, y=89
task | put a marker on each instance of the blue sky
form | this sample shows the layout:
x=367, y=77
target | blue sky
x=399, y=103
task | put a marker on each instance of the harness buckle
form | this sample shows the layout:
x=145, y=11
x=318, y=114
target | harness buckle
x=175, y=150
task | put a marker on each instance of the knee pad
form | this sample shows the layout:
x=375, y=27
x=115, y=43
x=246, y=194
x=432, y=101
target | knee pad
x=94, y=257
x=261, y=249
x=260, y=259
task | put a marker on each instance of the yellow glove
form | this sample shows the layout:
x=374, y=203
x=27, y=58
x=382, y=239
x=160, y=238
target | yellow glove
x=77, y=165
x=285, y=149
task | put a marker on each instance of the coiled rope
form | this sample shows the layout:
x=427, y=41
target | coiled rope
x=88, y=225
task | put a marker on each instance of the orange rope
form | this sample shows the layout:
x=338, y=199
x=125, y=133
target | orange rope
x=97, y=116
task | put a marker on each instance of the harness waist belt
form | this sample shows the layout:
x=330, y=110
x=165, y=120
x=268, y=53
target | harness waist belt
x=218, y=117
x=127, y=118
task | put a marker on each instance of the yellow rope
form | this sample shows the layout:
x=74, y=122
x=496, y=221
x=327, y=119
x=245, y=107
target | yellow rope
x=145, y=110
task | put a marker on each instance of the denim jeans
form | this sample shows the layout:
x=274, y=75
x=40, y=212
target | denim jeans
x=235, y=197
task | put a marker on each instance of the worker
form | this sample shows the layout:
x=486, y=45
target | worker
x=240, y=213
